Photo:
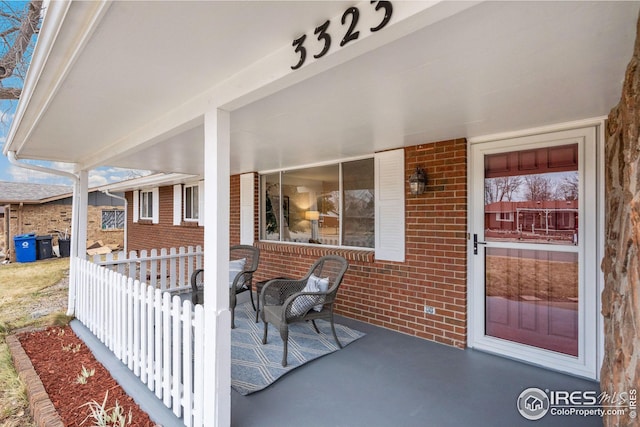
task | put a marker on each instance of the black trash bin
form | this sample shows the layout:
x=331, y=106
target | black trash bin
x=64, y=245
x=43, y=247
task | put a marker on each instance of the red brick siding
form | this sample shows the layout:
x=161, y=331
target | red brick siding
x=392, y=294
x=388, y=294
x=146, y=235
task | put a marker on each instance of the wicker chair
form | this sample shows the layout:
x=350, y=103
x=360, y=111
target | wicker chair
x=239, y=282
x=286, y=301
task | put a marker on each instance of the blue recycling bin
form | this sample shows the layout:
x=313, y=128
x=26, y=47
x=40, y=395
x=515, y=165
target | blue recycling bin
x=25, y=245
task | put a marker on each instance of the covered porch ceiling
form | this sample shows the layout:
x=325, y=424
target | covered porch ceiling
x=127, y=83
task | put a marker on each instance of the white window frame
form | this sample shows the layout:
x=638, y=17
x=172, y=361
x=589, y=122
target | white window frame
x=149, y=213
x=155, y=205
x=195, y=205
x=509, y=216
x=114, y=211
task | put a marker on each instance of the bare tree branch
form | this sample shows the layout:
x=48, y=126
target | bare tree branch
x=28, y=27
x=10, y=93
x=11, y=30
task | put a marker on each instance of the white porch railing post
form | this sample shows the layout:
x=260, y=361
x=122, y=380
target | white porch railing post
x=166, y=349
x=157, y=348
x=177, y=347
x=173, y=280
x=163, y=269
x=187, y=362
x=181, y=266
x=150, y=337
x=153, y=275
x=198, y=368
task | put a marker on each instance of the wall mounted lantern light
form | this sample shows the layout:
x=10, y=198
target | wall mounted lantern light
x=417, y=182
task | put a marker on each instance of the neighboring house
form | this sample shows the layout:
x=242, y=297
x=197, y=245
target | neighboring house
x=165, y=213
x=302, y=147
x=547, y=218
x=46, y=210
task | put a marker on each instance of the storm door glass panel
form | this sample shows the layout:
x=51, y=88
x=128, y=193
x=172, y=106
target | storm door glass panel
x=532, y=298
x=270, y=207
x=531, y=264
x=311, y=205
x=358, y=202
x=532, y=196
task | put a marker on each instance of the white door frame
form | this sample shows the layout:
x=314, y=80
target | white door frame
x=589, y=134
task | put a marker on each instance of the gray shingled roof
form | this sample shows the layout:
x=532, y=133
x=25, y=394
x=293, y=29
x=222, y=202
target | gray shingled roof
x=28, y=192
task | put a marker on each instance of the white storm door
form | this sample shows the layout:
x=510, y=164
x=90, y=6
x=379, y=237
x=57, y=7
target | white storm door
x=533, y=266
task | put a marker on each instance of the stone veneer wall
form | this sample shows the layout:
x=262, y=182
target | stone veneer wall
x=620, y=371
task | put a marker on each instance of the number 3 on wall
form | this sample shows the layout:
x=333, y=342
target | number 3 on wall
x=350, y=35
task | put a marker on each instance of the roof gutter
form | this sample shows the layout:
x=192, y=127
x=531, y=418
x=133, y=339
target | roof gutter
x=11, y=155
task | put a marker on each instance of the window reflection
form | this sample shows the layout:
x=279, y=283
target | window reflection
x=532, y=196
x=314, y=205
x=532, y=298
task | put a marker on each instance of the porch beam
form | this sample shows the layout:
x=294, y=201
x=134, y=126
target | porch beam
x=217, y=375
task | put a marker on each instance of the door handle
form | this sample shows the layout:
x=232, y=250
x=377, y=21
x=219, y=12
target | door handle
x=476, y=243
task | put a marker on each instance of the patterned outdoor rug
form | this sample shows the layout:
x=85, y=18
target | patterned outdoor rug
x=254, y=366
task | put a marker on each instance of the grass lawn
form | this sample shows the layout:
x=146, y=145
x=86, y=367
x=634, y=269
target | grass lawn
x=31, y=295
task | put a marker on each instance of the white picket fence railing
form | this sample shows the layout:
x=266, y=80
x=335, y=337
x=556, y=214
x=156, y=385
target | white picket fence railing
x=167, y=270
x=157, y=335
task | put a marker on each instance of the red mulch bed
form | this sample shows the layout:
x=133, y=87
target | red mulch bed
x=58, y=356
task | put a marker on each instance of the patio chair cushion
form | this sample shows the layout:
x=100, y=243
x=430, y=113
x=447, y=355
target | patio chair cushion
x=236, y=267
x=303, y=303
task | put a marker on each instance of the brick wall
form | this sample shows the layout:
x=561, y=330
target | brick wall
x=392, y=294
x=388, y=294
x=146, y=235
x=43, y=218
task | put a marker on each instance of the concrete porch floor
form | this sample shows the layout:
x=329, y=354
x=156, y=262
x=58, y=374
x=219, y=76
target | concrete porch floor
x=383, y=379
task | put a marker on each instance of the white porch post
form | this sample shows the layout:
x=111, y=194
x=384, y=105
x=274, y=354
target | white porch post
x=79, y=212
x=217, y=375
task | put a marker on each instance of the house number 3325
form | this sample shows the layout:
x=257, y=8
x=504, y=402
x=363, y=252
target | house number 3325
x=349, y=22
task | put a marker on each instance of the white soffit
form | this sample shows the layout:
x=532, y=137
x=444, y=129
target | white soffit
x=145, y=58
x=494, y=67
